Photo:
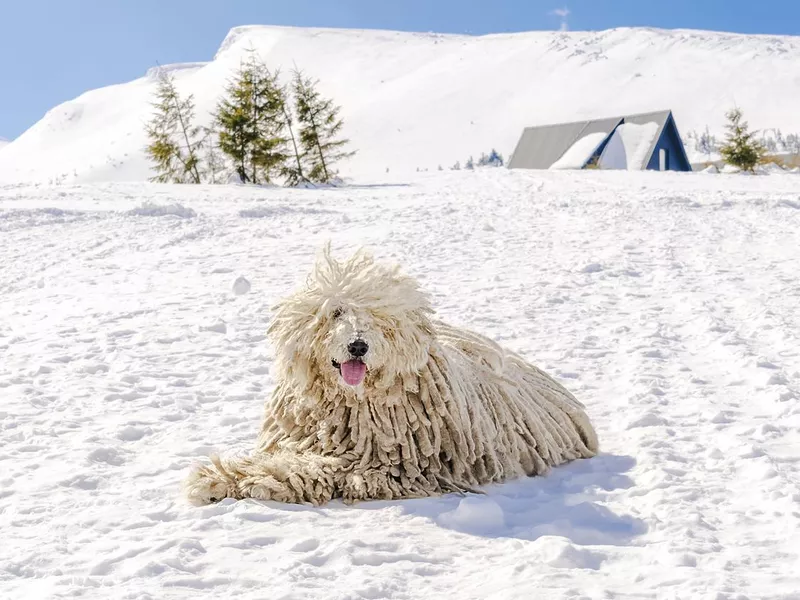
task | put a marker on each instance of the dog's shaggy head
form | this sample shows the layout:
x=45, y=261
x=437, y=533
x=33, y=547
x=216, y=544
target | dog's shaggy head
x=356, y=324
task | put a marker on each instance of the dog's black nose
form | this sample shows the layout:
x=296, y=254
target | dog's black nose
x=358, y=348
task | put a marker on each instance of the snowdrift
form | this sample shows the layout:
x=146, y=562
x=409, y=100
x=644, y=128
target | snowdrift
x=413, y=100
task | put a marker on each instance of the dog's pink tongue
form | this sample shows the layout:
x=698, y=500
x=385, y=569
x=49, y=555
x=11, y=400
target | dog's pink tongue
x=353, y=372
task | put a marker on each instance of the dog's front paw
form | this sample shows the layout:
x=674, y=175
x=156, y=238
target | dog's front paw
x=206, y=485
x=266, y=487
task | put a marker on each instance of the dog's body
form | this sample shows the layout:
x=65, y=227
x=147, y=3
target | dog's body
x=376, y=401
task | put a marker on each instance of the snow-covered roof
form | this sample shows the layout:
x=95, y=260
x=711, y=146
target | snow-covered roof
x=543, y=147
x=581, y=151
x=630, y=147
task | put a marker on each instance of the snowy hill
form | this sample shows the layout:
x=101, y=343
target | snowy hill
x=420, y=100
x=4, y=142
x=668, y=304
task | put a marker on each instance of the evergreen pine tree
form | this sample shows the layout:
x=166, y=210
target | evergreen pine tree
x=706, y=142
x=793, y=143
x=270, y=102
x=496, y=159
x=174, y=141
x=213, y=162
x=251, y=122
x=319, y=128
x=234, y=121
x=493, y=159
x=780, y=142
x=740, y=148
x=293, y=169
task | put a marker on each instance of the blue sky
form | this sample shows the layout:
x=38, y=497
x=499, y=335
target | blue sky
x=52, y=51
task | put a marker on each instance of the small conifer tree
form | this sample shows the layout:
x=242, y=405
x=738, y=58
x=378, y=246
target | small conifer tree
x=780, y=141
x=319, y=130
x=706, y=142
x=233, y=119
x=174, y=141
x=741, y=149
x=213, y=163
x=251, y=123
x=293, y=170
x=494, y=159
x=270, y=101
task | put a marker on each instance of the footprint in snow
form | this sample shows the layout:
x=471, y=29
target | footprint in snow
x=110, y=456
x=592, y=268
x=308, y=545
x=219, y=327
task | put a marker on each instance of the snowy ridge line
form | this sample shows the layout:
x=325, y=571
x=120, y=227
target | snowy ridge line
x=173, y=68
x=236, y=35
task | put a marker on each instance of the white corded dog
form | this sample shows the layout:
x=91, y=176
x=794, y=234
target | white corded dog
x=374, y=400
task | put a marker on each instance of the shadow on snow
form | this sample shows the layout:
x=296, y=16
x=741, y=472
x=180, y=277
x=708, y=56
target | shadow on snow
x=569, y=502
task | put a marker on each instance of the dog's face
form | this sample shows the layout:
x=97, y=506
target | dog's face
x=358, y=324
x=355, y=343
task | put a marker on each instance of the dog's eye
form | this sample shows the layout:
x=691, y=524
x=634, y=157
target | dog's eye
x=337, y=313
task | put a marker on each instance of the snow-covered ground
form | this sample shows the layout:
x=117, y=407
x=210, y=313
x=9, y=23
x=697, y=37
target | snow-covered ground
x=669, y=303
x=413, y=100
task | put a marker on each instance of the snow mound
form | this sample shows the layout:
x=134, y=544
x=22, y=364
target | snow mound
x=560, y=554
x=150, y=209
x=241, y=286
x=434, y=88
x=592, y=268
x=477, y=515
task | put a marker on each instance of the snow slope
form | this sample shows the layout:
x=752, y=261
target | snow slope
x=414, y=100
x=667, y=302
